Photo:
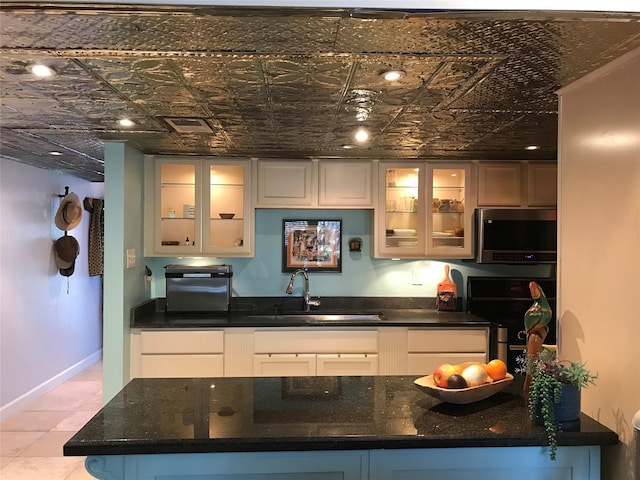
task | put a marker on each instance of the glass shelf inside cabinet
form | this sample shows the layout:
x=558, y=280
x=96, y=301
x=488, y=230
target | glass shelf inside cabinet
x=448, y=208
x=401, y=207
x=177, y=203
x=226, y=205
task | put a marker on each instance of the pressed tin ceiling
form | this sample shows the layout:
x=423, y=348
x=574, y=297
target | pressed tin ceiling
x=291, y=83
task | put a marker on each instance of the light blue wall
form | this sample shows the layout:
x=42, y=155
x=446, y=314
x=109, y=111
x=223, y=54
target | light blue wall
x=361, y=274
x=123, y=288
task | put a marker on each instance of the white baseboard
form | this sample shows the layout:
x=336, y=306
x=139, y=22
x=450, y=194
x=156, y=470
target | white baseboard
x=22, y=401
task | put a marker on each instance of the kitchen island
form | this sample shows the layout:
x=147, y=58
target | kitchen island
x=323, y=428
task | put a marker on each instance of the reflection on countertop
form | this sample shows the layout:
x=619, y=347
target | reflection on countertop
x=308, y=413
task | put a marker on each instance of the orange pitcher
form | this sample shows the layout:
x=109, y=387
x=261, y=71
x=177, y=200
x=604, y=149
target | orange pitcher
x=446, y=293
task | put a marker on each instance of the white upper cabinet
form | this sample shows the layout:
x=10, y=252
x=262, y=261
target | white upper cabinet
x=345, y=184
x=499, y=184
x=198, y=207
x=424, y=210
x=314, y=184
x=542, y=184
x=517, y=184
x=285, y=183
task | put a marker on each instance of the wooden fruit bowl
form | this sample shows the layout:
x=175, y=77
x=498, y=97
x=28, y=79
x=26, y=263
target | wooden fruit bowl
x=461, y=395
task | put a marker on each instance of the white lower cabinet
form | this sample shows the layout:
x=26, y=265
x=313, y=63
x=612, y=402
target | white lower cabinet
x=180, y=366
x=177, y=353
x=347, y=364
x=321, y=352
x=284, y=365
x=267, y=352
x=429, y=347
x=424, y=363
x=306, y=364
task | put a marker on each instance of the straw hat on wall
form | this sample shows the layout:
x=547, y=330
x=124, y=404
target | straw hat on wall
x=69, y=212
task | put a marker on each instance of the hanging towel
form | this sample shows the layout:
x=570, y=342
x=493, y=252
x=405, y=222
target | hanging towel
x=95, y=206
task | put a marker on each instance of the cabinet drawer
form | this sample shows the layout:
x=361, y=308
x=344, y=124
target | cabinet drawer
x=201, y=341
x=453, y=340
x=347, y=364
x=424, y=363
x=182, y=366
x=316, y=341
x=284, y=365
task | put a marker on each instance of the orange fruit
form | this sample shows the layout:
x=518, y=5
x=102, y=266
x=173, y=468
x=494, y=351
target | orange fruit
x=496, y=369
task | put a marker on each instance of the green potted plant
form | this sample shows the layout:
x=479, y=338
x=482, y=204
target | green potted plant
x=554, y=392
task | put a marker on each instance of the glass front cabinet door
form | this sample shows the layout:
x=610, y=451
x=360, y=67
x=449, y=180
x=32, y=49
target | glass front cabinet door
x=197, y=207
x=400, y=219
x=424, y=210
x=450, y=216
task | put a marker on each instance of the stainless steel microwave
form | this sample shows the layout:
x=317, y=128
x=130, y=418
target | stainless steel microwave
x=516, y=235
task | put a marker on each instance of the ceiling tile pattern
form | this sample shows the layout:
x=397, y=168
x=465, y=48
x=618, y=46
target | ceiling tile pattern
x=291, y=83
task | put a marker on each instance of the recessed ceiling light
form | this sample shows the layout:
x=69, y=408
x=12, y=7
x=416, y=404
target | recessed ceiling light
x=55, y=153
x=532, y=147
x=41, y=70
x=392, y=75
x=125, y=122
x=361, y=135
x=362, y=114
x=348, y=146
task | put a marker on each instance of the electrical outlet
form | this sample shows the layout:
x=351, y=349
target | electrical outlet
x=131, y=257
x=416, y=276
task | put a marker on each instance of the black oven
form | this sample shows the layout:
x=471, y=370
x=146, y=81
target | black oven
x=504, y=301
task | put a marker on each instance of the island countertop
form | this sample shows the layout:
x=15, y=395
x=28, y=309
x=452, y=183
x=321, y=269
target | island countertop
x=198, y=415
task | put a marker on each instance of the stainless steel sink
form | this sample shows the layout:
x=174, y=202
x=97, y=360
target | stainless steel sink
x=301, y=318
x=328, y=317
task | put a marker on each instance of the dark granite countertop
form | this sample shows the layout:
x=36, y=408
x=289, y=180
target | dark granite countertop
x=151, y=416
x=277, y=311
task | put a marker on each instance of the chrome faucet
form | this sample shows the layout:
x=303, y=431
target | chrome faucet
x=308, y=303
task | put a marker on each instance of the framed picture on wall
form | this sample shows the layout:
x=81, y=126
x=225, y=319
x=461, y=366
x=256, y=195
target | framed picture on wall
x=311, y=244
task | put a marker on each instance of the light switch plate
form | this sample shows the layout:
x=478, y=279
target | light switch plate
x=131, y=257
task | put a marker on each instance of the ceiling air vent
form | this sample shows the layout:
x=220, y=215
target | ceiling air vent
x=189, y=125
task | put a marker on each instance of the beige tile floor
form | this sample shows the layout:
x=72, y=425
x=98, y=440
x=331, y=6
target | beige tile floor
x=31, y=440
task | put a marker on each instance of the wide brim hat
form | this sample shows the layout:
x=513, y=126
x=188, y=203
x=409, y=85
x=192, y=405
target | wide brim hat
x=69, y=212
x=65, y=251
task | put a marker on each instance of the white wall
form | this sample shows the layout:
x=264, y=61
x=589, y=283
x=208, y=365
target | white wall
x=47, y=333
x=599, y=250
